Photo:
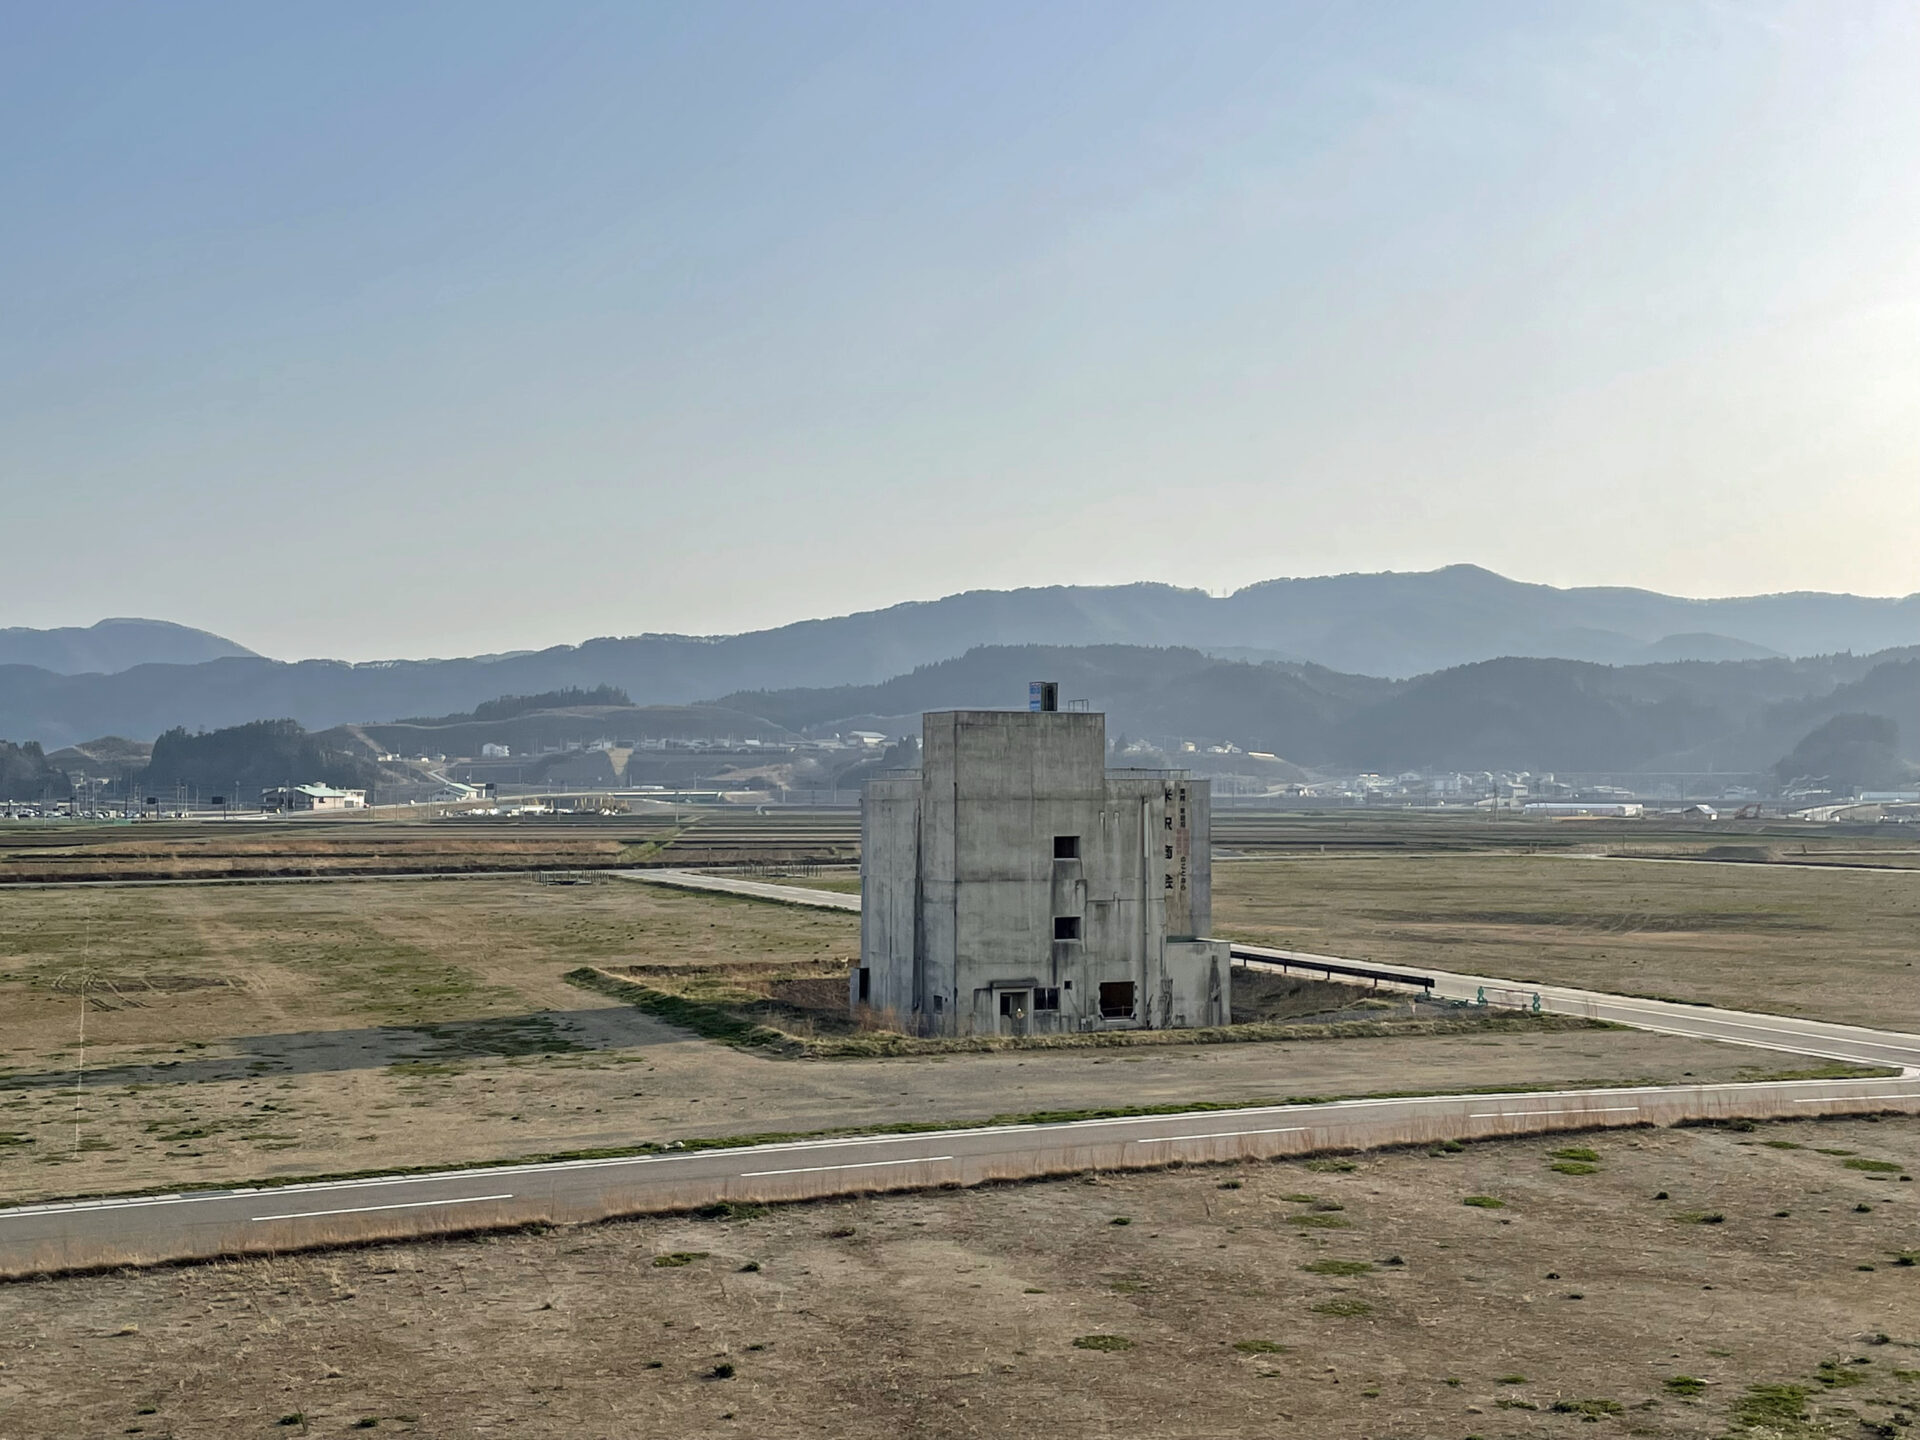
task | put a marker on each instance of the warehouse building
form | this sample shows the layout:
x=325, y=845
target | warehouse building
x=311, y=797
x=1015, y=885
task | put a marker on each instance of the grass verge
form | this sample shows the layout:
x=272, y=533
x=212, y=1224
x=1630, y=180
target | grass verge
x=718, y=1022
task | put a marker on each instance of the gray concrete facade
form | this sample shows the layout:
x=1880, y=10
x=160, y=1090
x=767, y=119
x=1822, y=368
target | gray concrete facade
x=1015, y=885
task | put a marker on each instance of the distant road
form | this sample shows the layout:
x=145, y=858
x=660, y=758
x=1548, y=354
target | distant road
x=1742, y=864
x=179, y=1226
x=1822, y=1038
x=735, y=885
x=109, y=884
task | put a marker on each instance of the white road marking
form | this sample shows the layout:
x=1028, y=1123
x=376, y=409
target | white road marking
x=1222, y=1135
x=1842, y=1099
x=367, y=1209
x=866, y=1165
x=1523, y=1114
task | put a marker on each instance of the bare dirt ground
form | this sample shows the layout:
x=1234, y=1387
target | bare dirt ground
x=234, y=1034
x=1833, y=944
x=1676, y=1283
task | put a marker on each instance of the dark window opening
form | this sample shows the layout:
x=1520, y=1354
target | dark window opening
x=939, y=1003
x=1046, y=998
x=1066, y=847
x=866, y=984
x=1116, y=999
x=1066, y=927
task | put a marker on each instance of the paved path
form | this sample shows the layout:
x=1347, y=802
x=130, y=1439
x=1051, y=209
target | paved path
x=178, y=1226
x=1821, y=1038
x=1743, y=864
x=734, y=885
x=106, y=1232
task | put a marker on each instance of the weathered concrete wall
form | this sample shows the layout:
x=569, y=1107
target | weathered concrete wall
x=995, y=792
x=889, y=912
x=1193, y=985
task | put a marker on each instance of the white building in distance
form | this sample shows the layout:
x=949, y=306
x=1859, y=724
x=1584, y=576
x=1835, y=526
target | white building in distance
x=1015, y=885
x=311, y=797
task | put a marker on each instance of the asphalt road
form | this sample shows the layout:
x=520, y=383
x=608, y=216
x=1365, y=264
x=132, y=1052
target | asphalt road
x=36, y=1238
x=1821, y=1038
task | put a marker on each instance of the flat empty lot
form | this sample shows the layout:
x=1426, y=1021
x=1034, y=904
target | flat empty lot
x=241, y=1033
x=1677, y=1283
x=1832, y=944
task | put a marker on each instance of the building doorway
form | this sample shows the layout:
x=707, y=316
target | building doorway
x=1116, y=1000
x=1016, y=1008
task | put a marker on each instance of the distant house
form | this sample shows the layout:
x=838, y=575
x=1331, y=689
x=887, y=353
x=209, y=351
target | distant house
x=311, y=797
x=491, y=751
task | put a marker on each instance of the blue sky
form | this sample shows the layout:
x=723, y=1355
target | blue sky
x=370, y=330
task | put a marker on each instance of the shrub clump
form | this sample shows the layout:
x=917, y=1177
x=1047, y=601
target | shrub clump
x=1338, y=1267
x=731, y=1210
x=1343, y=1305
x=1321, y=1222
x=1594, y=1408
x=1684, y=1385
x=1259, y=1347
x=1102, y=1342
x=1484, y=1202
x=1771, y=1407
x=674, y=1259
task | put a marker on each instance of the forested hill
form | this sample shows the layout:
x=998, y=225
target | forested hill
x=1509, y=713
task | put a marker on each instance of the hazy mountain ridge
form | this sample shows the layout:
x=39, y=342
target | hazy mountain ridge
x=1394, y=624
x=110, y=646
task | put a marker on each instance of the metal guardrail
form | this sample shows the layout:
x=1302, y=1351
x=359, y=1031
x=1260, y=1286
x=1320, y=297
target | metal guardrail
x=1286, y=960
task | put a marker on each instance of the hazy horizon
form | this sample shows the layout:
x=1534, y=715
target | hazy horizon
x=440, y=330
x=377, y=655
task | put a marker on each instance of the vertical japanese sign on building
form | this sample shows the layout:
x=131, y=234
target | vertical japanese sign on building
x=1176, y=857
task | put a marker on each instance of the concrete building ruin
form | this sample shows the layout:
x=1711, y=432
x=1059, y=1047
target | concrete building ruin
x=1015, y=885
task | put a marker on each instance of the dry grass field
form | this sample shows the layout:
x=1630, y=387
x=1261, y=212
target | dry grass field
x=1677, y=1283
x=320, y=846
x=396, y=841
x=236, y=1033
x=1833, y=943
